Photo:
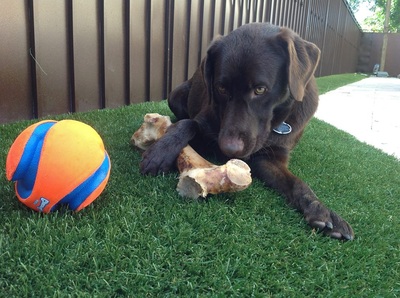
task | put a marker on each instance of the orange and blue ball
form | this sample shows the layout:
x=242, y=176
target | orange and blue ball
x=57, y=163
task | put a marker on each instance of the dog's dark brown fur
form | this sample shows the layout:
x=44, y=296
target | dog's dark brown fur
x=249, y=83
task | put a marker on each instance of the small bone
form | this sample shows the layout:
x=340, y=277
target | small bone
x=153, y=128
x=198, y=177
x=230, y=177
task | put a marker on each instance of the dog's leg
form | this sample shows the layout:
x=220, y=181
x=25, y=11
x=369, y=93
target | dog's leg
x=177, y=100
x=161, y=156
x=298, y=194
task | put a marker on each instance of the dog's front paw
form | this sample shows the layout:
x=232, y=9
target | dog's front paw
x=155, y=160
x=329, y=223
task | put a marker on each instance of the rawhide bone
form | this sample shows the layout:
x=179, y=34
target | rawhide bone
x=198, y=177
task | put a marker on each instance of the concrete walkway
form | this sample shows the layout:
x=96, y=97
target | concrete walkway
x=368, y=109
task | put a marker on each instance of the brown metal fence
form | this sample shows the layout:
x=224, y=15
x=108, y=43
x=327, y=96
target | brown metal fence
x=60, y=56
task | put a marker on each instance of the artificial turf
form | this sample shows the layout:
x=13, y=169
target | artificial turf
x=140, y=239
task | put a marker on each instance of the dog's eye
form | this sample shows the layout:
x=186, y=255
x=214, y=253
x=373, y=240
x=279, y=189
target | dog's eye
x=221, y=90
x=260, y=90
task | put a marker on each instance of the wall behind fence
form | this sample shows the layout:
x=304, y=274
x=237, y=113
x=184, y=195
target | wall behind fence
x=78, y=55
x=371, y=49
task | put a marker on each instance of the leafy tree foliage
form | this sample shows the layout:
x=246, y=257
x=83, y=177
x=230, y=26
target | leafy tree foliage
x=376, y=21
x=354, y=4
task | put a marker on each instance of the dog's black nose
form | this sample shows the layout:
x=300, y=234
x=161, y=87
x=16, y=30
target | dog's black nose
x=231, y=147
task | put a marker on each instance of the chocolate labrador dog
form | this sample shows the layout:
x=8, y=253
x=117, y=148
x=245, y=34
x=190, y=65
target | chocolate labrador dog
x=251, y=98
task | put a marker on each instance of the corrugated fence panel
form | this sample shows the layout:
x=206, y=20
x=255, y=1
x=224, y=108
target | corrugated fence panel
x=86, y=55
x=353, y=39
x=267, y=11
x=157, y=49
x=114, y=53
x=138, y=37
x=208, y=25
x=304, y=9
x=16, y=102
x=219, y=17
x=260, y=10
x=79, y=55
x=248, y=6
x=229, y=15
x=179, y=40
x=194, y=41
x=284, y=13
x=317, y=27
x=316, y=21
x=340, y=42
x=51, y=55
x=329, y=46
x=332, y=46
x=237, y=14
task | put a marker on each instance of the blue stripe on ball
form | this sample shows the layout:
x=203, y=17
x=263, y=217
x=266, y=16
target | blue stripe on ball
x=28, y=165
x=75, y=198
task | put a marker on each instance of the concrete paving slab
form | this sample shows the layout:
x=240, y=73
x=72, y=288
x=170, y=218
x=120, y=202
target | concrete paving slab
x=368, y=109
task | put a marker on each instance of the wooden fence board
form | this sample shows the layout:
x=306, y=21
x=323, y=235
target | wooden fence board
x=138, y=37
x=15, y=73
x=86, y=55
x=89, y=54
x=114, y=53
x=51, y=54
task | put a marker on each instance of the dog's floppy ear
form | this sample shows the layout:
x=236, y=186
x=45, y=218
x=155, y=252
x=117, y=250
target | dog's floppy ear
x=207, y=65
x=303, y=60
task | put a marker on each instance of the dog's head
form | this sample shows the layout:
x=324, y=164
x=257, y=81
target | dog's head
x=253, y=76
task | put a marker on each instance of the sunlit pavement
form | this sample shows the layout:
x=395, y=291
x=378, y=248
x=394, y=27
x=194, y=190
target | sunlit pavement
x=368, y=109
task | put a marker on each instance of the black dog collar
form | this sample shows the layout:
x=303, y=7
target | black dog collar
x=283, y=129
